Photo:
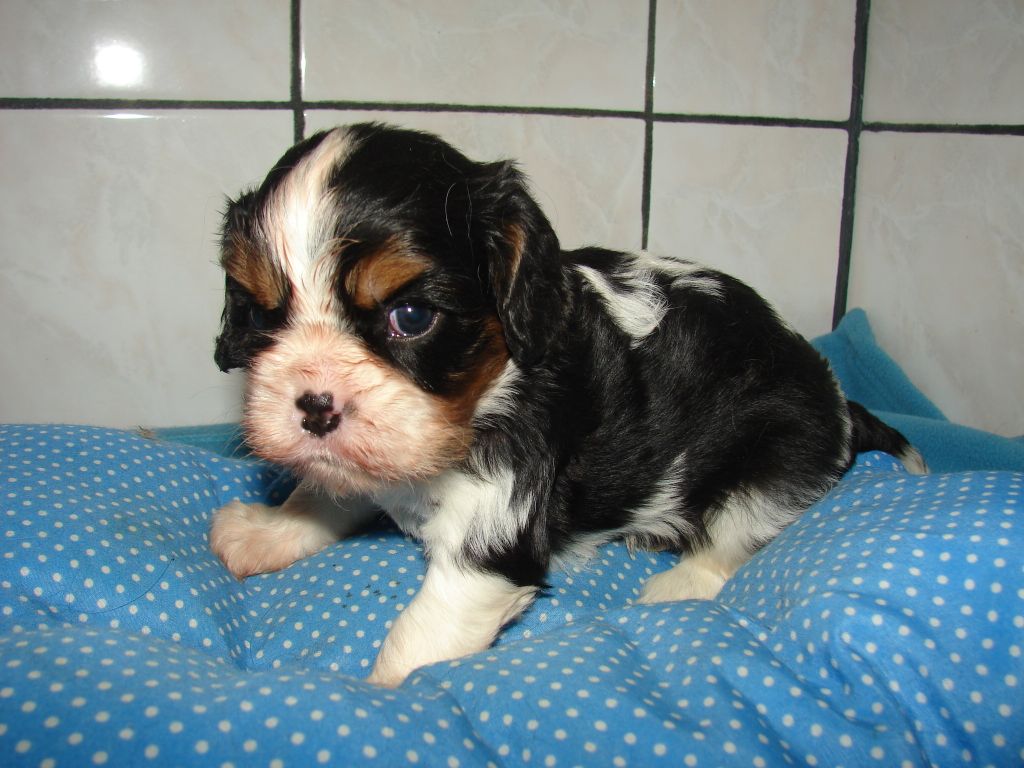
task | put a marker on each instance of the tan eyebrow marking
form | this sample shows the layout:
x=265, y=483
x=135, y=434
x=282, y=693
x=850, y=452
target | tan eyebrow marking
x=376, y=276
x=255, y=271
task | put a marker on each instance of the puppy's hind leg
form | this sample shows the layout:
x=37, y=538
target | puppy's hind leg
x=744, y=524
x=255, y=538
x=698, y=576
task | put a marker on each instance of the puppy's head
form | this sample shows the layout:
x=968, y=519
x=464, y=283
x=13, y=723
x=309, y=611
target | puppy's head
x=378, y=282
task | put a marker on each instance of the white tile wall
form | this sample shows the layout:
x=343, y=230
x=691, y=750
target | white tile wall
x=946, y=61
x=773, y=58
x=109, y=292
x=571, y=53
x=109, y=284
x=938, y=263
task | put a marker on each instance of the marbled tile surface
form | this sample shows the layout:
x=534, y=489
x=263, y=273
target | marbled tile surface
x=760, y=203
x=762, y=57
x=571, y=53
x=945, y=61
x=938, y=264
x=109, y=286
x=228, y=49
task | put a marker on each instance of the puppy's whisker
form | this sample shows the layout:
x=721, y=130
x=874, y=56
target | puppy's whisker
x=447, y=197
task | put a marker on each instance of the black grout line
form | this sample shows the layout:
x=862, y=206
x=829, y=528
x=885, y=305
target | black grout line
x=977, y=129
x=754, y=120
x=18, y=103
x=483, y=109
x=648, y=170
x=856, y=124
x=646, y=115
x=298, y=110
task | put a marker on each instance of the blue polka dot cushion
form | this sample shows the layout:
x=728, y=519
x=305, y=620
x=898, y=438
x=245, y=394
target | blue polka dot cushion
x=885, y=627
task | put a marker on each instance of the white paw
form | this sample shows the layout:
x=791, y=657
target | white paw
x=248, y=539
x=686, y=581
x=384, y=679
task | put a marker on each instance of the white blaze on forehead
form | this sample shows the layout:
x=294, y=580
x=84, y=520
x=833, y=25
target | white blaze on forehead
x=300, y=219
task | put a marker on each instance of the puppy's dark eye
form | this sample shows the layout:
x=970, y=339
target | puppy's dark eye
x=258, y=319
x=262, y=319
x=409, y=320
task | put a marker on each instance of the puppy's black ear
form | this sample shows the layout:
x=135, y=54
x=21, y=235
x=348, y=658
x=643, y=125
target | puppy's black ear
x=523, y=262
x=231, y=348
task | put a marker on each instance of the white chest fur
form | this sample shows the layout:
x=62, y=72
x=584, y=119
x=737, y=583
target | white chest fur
x=457, y=511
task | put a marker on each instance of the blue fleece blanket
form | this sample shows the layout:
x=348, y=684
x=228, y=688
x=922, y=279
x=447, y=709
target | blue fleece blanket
x=873, y=379
x=885, y=627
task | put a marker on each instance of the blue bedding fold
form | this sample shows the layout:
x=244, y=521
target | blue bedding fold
x=885, y=627
x=868, y=374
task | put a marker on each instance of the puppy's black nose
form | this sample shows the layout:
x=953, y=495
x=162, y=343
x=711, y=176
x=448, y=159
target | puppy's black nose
x=320, y=417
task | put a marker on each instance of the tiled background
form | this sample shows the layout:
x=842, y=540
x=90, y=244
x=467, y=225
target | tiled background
x=728, y=132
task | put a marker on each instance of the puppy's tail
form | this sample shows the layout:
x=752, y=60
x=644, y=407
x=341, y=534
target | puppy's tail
x=872, y=434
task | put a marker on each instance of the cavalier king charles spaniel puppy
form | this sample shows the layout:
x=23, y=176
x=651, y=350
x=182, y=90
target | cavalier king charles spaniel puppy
x=417, y=343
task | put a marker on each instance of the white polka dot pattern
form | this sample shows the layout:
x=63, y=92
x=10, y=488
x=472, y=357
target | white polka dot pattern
x=883, y=628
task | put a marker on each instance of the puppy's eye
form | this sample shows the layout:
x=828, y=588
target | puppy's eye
x=409, y=320
x=257, y=317
x=262, y=319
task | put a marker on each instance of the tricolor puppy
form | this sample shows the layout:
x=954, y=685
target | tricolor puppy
x=416, y=342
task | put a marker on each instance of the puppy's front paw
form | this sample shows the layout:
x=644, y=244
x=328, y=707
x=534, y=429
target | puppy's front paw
x=250, y=539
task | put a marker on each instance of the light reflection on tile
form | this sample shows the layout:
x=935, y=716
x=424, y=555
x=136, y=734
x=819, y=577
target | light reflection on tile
x=938, y=263
x=762, y=204
x=113, y=286
x=588, y=203
x=230, y=49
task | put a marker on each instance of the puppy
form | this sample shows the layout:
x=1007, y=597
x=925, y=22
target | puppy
x=416, y=342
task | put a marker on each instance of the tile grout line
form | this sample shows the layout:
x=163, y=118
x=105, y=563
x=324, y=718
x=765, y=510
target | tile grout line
x=296, y=102
x=854, y=128
x=648, y=168
x=965, y=129
x=31, y=103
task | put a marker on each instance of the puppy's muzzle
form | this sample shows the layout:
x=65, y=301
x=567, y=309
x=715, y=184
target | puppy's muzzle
x=320, y=418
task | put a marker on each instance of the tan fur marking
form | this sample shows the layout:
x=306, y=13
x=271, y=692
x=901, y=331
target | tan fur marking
x=491, y=361
x=377, y=276
x=250, y=266
x=517, y=240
